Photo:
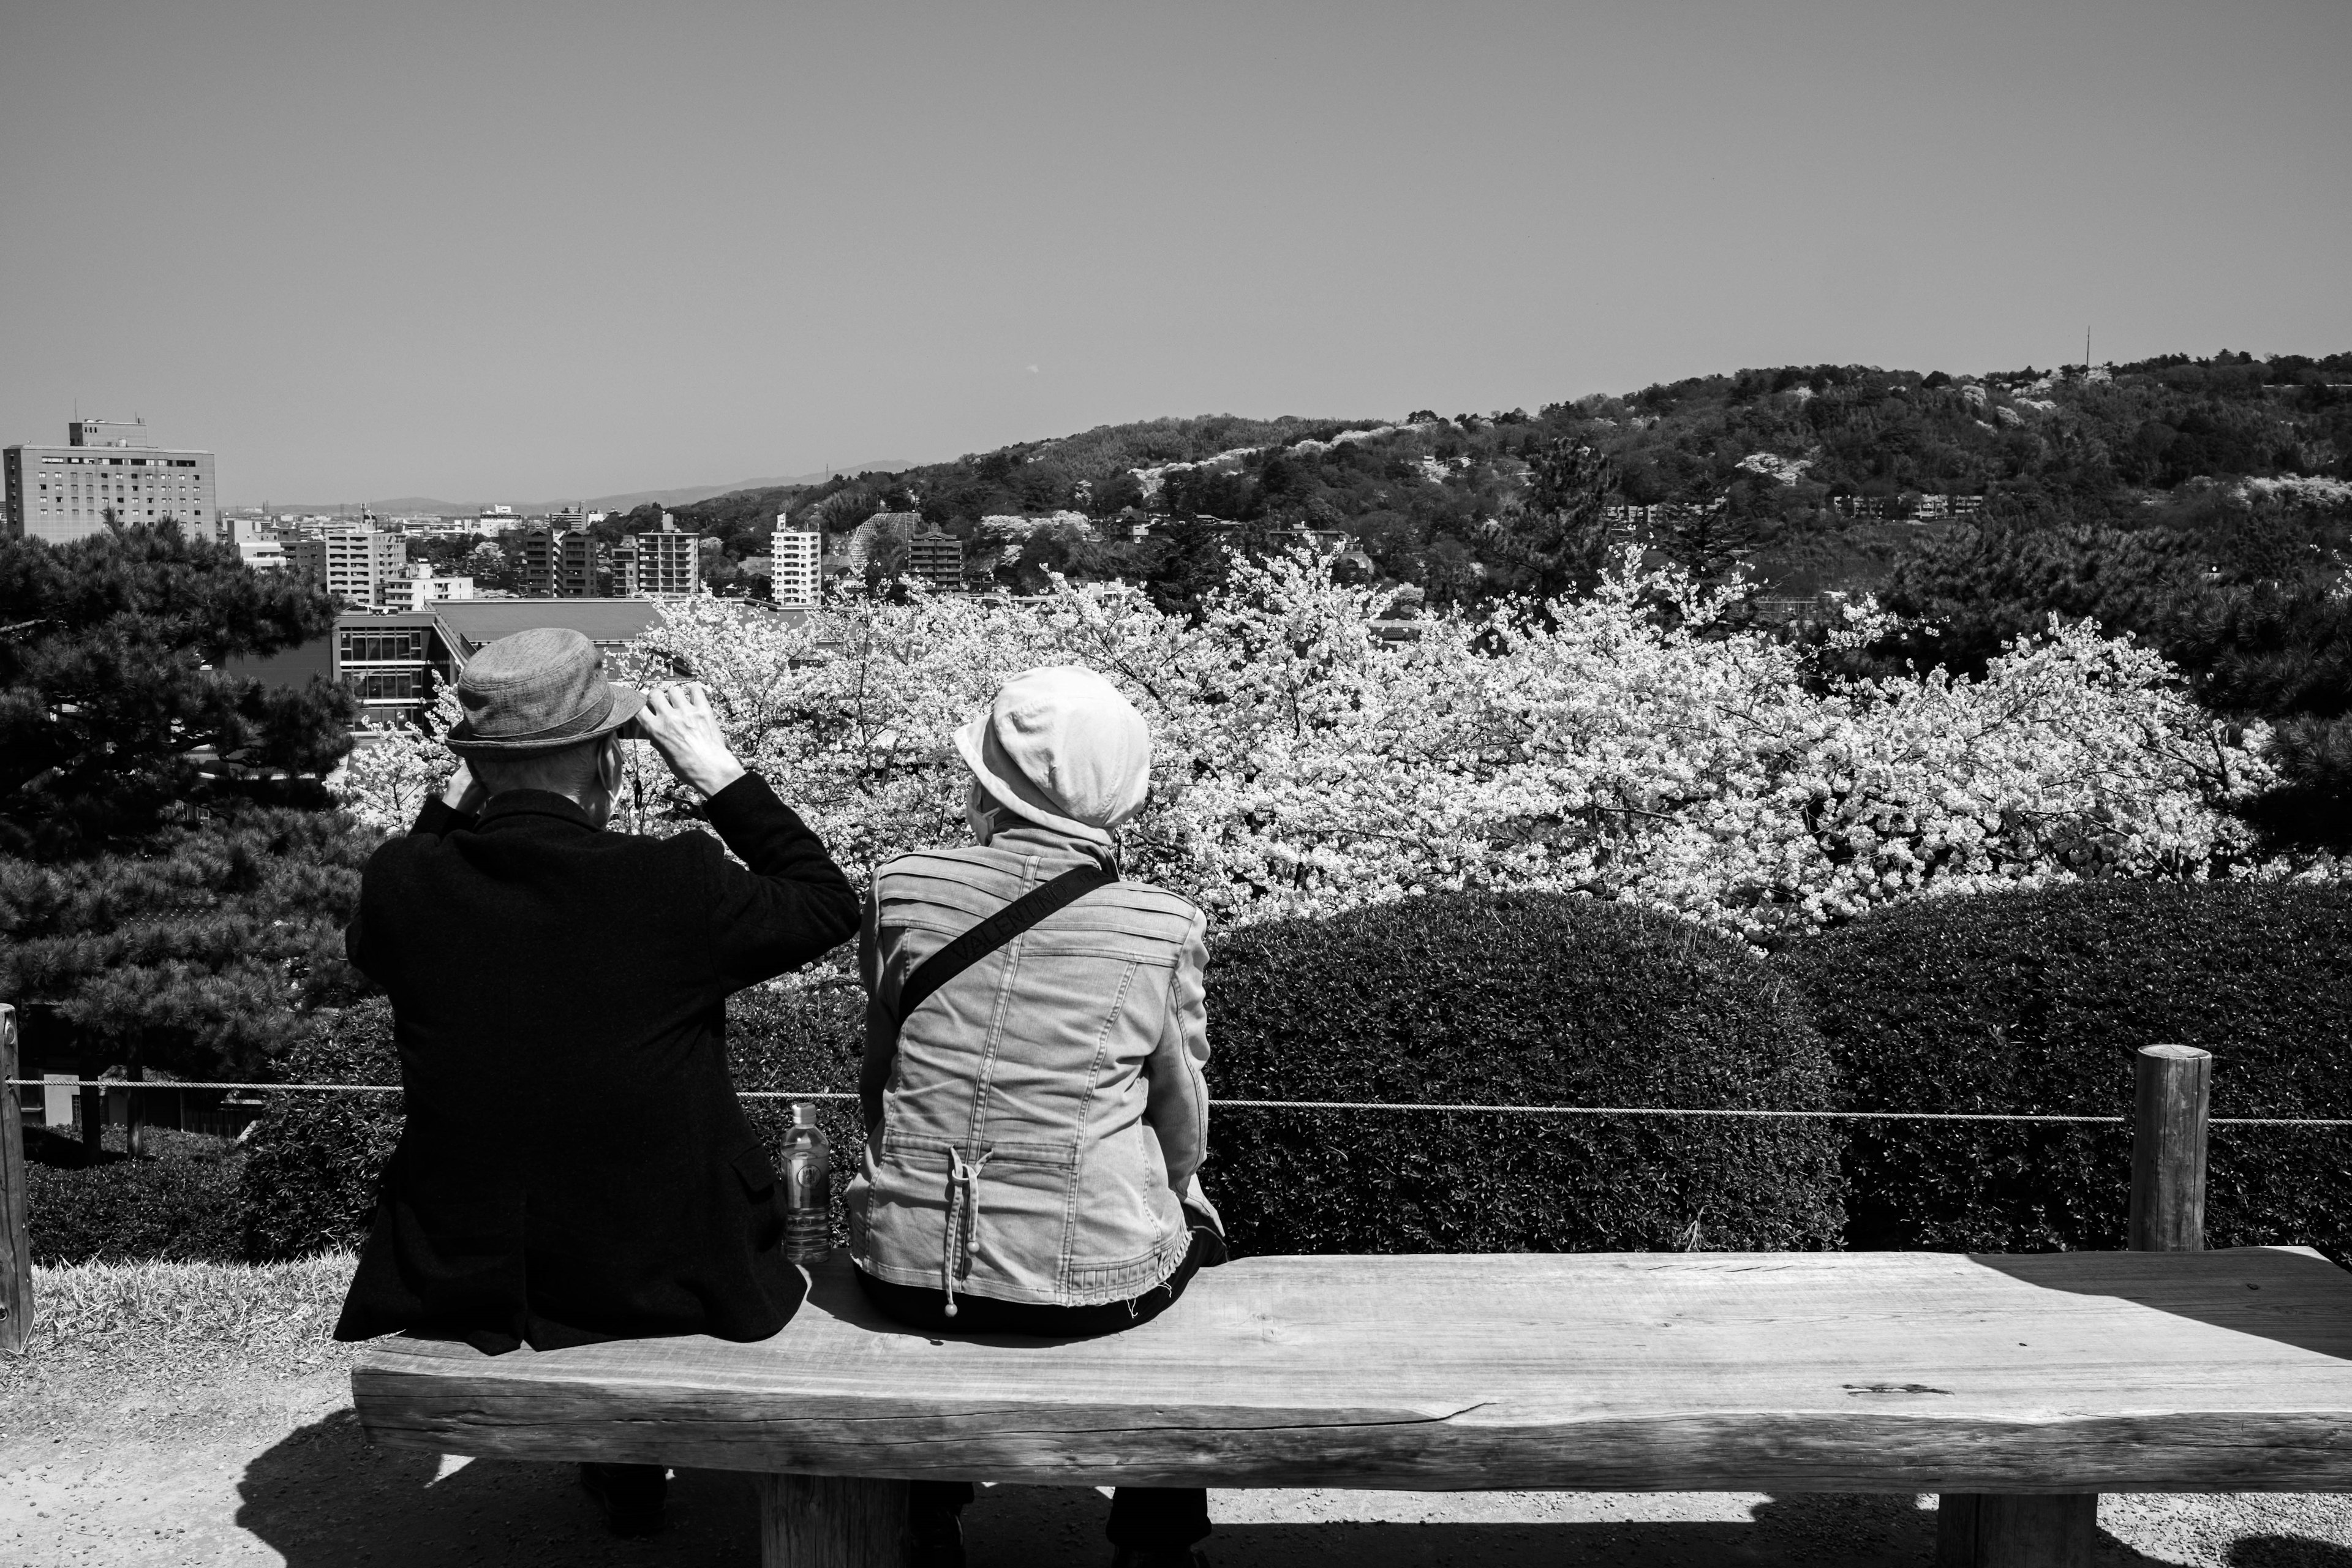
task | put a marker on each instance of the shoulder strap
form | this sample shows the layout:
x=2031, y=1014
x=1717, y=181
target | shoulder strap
x=997, y=930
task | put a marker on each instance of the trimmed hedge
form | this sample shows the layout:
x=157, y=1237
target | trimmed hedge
x=1513, y=998
x=177, y=1203
x=310, y=1175
x=309, y=1183
x=2035, y=1001
x=808, y=1036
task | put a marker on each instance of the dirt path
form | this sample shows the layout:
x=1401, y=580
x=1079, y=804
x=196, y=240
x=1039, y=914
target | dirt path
x=202, y=1463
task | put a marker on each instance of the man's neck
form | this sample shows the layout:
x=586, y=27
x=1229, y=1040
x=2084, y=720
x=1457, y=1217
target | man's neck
x=587, y=810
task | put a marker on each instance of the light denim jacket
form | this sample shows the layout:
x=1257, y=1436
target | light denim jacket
x=1029, y=1131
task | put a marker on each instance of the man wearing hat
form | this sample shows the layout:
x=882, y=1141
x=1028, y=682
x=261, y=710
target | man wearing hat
x=575, y=1165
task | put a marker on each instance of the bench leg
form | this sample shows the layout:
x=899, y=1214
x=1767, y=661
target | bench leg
x=833, y=1521
x=2015, y=1530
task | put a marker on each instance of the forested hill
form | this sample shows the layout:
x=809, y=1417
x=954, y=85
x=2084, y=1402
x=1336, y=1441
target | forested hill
x=1818, y=472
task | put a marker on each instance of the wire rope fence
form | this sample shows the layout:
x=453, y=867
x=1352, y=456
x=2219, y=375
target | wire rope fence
x=2169, y=1142
x=1222, y=1103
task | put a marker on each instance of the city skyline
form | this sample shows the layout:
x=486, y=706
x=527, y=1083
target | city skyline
x=533, y=251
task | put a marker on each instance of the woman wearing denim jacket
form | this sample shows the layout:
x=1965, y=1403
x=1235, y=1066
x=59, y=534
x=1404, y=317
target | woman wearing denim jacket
x=1036, y=1127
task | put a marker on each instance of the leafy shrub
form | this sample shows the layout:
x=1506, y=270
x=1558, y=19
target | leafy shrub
x=175, y=1203
x=1512, y=998
x=2035, y=1001
x=310, y=1175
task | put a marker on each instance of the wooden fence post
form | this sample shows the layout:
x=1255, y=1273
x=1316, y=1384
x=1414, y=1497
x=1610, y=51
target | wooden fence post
x=2170, y=1087
x=93, y=1104
x=15, y=1253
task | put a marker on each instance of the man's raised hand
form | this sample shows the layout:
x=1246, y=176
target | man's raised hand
x=464, y=791
x=678, y=720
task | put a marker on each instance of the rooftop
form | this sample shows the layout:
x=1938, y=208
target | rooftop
x=478, y=621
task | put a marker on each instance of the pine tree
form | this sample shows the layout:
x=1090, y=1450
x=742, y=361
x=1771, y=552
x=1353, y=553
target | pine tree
x=1713, y=531
x=1561, y=536
x=172, y=890
x=111, y=704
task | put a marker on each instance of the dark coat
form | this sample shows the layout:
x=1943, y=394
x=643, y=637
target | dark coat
x=575, y=1165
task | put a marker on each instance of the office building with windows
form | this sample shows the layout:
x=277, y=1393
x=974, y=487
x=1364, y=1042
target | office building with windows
x=796, y=567
x=386, y=661
x=353, y=564
x=394, y=663
x=64, y=493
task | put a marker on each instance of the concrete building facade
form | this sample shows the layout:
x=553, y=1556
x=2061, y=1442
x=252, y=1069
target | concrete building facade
x=796, y=567
x=935, y=557
x=386, y=661
x=554, y=562
x=394, y=663
x=64, y=493
x=661, y=564
x=418, y=589
x=354, y=565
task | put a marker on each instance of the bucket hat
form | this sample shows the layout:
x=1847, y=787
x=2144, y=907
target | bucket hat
x=1061, y=747
x=538, y=690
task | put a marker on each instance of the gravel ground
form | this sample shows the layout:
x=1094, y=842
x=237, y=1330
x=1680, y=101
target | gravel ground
x=140, y=1433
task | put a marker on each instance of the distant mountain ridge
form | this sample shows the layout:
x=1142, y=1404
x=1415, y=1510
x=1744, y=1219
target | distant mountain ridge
x=621, y=501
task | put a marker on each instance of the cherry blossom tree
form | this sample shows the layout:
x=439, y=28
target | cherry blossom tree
x=1630, y=744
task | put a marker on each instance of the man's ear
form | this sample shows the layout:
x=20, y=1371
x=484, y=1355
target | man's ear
x=608, y=764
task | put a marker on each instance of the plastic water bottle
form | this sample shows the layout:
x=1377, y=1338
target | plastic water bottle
x=808, y=1188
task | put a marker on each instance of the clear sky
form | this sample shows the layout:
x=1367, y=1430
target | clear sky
x=488, y=251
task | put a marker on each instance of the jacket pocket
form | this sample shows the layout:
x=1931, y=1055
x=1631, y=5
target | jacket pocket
x=751, y=1162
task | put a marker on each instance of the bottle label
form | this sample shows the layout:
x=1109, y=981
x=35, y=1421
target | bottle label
x=808, y=1207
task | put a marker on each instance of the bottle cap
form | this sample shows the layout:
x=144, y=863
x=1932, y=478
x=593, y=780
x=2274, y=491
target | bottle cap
x=803, y=1113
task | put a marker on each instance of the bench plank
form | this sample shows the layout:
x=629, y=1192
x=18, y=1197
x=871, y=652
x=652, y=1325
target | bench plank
x=1865, y=1372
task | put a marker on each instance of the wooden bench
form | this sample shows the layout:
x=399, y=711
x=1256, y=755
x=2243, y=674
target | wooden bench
x=2017, y=1386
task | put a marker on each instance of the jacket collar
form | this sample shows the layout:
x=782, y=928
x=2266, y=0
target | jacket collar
x=1030, y=838
x=518, y=805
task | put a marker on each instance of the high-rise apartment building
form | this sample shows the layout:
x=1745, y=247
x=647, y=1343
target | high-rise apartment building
x=353, y=564
x=554, y=562
x=935, y=557
x=797, y=566
x=664, y=565
x=64, y=493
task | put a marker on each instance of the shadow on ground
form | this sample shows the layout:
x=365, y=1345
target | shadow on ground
x=2283, y=1552
x=322, y=1498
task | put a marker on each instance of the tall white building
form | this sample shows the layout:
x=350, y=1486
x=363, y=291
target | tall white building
x=353, y=564
x=64, y=493
x=796, y=560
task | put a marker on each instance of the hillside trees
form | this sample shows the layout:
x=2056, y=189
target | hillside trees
x=171, y=881
x=1430, y=499
x=2250, y=600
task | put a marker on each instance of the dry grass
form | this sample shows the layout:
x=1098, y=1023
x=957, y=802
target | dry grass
x=278, y=1313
